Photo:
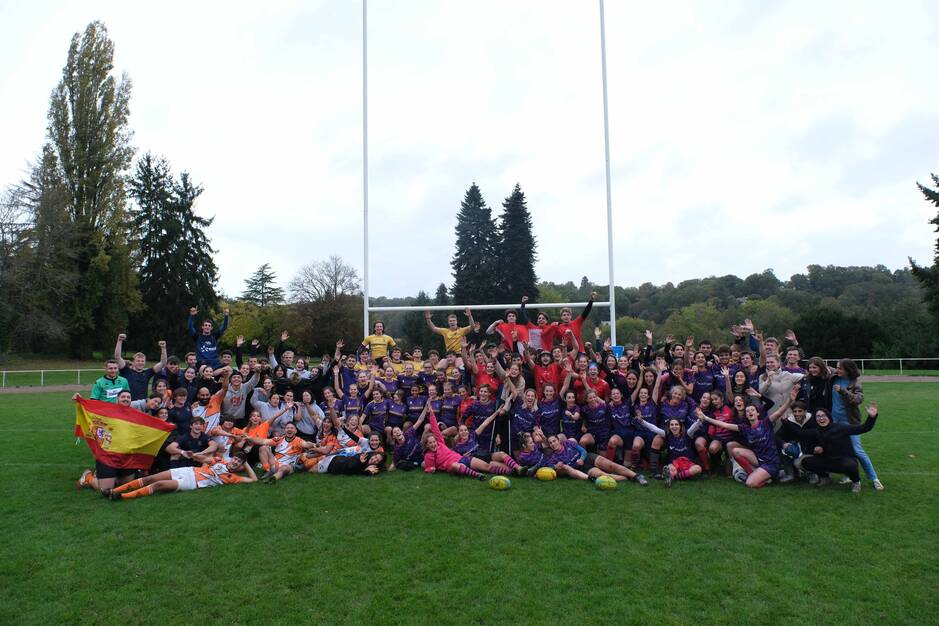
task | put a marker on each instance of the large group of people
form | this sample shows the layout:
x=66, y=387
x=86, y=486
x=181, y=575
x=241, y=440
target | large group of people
x=519, y=396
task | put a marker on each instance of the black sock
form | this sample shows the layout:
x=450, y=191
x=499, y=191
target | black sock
x=654, y=461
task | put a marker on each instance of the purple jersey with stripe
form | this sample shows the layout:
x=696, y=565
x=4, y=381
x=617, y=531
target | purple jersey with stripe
x=406, y=383
x=621, y=414
x=597, y=420
x=352, y=406
x=470, y=446
x=569, y=454
x=762, y=440
x=719, y=378
x=391, y=386
x=411, y=449
x=346, y=377
x=684, y=412
x=649, y=412
x=523, y=418
x=703, y=381
x=375, y=413
x=569, y=425
x=535, y=458
x=549, y=417
x=680, y=446
x=475, y=415
x=397, y=413
x=448, y=410
x=416, y=406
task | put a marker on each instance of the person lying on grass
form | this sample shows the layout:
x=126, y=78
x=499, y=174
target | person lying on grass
x=569, y=459
x=213, y=473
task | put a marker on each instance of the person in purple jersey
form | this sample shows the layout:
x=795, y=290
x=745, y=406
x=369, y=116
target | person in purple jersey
x=476, y=413
x=374, y=414
x=531, y=455
x=466, y=444
x=678, y=445
x=596, y=422
x=702, y=376
x=570, y=416
x=721, y=368
x=645, y=409
x=408, y=380
x=388, y=381
x=750, y=369
x=548, y=418
x=397, y=413
x=407, y=453
x=623, y=429
x=570, y=459
x=524, y=414
x=330, y=401
x=449, y=407
x=793, y=360
x=760, y=436
x=436, y=403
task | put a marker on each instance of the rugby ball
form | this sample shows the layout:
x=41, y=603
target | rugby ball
x=605, y=483
x=546, y=473
x=499, y=483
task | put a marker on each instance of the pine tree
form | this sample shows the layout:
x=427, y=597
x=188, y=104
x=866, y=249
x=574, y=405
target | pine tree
x=90, y=138
x=174, y=257
x=477, y=246
x=516, y=270
x=441, y=298
x=261, y=288
x=415, y=328
x=928, y=277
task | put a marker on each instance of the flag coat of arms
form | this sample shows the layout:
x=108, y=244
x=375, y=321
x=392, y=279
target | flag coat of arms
x=120, y=436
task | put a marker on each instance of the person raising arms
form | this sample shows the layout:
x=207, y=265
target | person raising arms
x=568, y=322
x=378, y=343
x=207, y=338
x=453, y=332
x=137, y=373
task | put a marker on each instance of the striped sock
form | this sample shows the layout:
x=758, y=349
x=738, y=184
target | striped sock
x=654, y=461
x=510, y=462
x=499, y=469
x=134, y=484
x=465, y=471
x=139, y=493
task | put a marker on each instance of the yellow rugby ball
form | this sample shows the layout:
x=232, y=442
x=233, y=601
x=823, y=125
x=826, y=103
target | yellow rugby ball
x=546, y=473
x=499, y=483
x=605, y=483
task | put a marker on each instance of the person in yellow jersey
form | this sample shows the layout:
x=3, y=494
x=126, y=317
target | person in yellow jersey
x=378, y=343
x=453, y=333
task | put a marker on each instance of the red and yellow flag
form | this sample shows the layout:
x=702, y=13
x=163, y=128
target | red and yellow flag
x=119, y=436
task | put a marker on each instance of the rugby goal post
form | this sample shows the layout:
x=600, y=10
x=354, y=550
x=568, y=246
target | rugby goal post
x=367, y=308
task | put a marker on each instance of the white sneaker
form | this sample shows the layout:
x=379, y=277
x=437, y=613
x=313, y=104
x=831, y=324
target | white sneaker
x=845, y=481
x=855, y=487
x=878, y=486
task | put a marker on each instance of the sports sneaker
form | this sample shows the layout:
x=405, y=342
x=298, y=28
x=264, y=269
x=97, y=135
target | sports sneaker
x=641, y=480
x=856, y=487
x=813, y=479
x=667, y=475
x=878, y=486
x=84, y=479
x=786, y=477
x=481, y=477
x=657, y=475
x=823, y=482
x=844, y=481
x=531, y=471
x=115, y=496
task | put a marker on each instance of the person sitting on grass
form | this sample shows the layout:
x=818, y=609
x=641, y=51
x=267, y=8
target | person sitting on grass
x=215, y=472
x=187, y=447
x=279, y=455
x=437, y=456
x=679, y=446
x=466, y=444
x=406, y=452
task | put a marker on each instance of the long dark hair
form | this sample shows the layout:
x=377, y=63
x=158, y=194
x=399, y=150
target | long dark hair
x=822, y=366
x=850, y=369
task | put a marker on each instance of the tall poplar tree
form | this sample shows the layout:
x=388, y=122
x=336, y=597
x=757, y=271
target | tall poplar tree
x=90, y=139
x=475, y=259
x=516, y=271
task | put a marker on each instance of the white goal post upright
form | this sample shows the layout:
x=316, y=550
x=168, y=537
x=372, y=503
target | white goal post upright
x=367, y=308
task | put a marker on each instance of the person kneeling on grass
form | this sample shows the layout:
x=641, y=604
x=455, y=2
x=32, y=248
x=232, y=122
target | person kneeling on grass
x=214, y=473
x=761, y=439
x=570, y=459
x=832, y=448
x=466, y=444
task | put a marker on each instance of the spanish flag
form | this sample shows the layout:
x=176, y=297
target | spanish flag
x=119, y=436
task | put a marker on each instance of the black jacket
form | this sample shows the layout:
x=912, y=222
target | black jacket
x=834, y=438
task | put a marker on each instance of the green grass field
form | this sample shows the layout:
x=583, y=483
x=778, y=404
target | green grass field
x=413, y=549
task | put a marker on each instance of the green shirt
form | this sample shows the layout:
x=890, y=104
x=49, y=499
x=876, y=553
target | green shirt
x=107, y=389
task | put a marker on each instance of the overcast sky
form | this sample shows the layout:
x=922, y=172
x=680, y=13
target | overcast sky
x=744, y=135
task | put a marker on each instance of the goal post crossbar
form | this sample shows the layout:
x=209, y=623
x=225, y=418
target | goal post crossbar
x=485, y=307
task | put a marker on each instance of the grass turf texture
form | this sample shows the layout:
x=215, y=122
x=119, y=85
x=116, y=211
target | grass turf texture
x=410, y=549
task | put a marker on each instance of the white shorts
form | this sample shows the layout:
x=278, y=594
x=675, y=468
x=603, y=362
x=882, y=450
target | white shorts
x=323, y=466
x=185, y=477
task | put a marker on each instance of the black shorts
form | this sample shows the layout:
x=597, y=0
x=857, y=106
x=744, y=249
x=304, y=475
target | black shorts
x=106, y=471
x=589, y=463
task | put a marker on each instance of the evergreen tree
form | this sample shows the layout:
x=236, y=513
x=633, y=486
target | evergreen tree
x=174, y=257
x=261, y=288
x=475, y=260
x=90, y=139
x=441, y=298
x=928, y=277
x=415, y=328
x=516, y=277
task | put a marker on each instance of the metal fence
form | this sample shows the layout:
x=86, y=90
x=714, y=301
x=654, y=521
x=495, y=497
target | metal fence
x=42, y=378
